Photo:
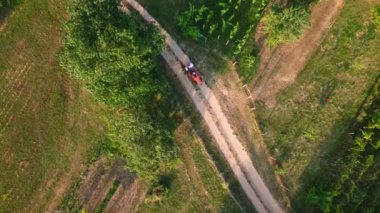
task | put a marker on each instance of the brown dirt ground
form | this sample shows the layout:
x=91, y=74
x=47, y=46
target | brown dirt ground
x=127, y=197
x=99, y=179
x=280, y=67
x=96, y=186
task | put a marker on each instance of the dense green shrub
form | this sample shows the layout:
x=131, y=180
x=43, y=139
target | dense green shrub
x=285, y=25
x=187, y=23
x=247, y=66
x=226, y=23
x=113, y=54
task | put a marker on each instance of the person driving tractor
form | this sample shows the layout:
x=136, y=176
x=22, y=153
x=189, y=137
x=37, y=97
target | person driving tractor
x=193, y=74
x=191, y=70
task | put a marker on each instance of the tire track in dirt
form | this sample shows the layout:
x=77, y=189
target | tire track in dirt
x=127, y=197
x=202, y=107
x=64, y=182
x=13, y=79
x=280, y=67
x=219, y=127
x=12, y=92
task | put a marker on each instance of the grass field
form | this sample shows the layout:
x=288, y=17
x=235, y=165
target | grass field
x=314, y=113
x=45, y=118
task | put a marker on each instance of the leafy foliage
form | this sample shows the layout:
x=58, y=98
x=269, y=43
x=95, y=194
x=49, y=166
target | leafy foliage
x=285, y=25
x=247, y=66
x=227, y=21
x=187, y=23
x=376, y=15
x=113, y=55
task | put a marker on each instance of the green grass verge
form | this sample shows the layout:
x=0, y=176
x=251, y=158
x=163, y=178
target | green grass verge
x=320, y=107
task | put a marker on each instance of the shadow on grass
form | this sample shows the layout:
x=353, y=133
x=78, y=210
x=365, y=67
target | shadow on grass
x=322, y=168
x=4, y=13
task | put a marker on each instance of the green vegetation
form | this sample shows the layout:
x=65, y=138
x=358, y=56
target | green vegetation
x=228, y=22
x=314, y=117
x=285, y=25
x=45, y=118
x=187, y=25
x=113, y=55
x=248, y=63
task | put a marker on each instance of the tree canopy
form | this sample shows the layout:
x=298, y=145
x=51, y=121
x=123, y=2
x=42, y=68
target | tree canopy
x=113, y=54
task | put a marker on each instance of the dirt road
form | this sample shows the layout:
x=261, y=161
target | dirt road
x=219, y=127
x=279, y=68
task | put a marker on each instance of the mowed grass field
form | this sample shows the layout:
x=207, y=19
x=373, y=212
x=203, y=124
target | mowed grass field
x=46, y=119
x=320, y=107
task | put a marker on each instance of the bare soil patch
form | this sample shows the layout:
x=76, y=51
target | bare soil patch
x=97, y=182
x=127, y=197
x=280, y=67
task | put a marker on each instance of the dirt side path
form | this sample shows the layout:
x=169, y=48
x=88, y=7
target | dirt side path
x=279, y=68
x=219, y=127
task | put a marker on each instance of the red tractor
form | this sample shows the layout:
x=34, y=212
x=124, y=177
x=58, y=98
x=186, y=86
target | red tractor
x=193, y=74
